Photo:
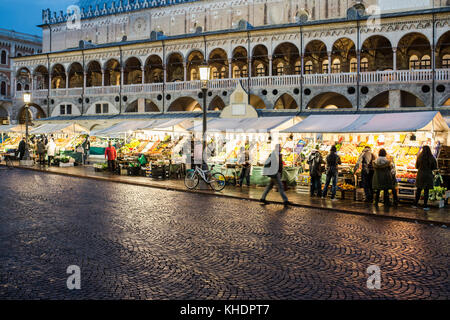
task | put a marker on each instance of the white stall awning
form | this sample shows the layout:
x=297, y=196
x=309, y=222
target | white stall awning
x=14, y=128
x=247, y=125
x=372, y=123
x=65, y=128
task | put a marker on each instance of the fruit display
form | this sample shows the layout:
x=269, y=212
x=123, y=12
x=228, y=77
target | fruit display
x=407, y=175
x=346, y=187
x=10, y=144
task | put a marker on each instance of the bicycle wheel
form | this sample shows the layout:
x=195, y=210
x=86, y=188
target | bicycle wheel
x=218, y=182
x=191, y=180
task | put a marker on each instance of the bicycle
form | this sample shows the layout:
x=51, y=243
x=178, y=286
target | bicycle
x=216, y=181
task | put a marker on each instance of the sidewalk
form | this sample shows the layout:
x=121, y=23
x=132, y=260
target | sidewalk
x=403, y=212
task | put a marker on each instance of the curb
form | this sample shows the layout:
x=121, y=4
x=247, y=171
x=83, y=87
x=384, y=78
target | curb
x=335, y=210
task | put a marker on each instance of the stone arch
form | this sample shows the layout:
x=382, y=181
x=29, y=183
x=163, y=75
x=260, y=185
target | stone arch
x=315, y=54
x=58, y=76
x=285, y=59
x=405, y=99
x=216, y=104
x=42, y=77
x=285, y=101
x=257, y=102
x=413, y=43
x=112, y=71
x=132, y=71
x=187, y=104
x=35, y=112
x=343, y=52
x=154, y=69
x=378, y=52
x=175, y=67
x=239, y=62
x=193, y=61
x=23, y=71
x=218, y=60
x=329, y=100
x=94, y=74
x=443, y=51
x=260, y=61
x=4, y=114
x=76, y=75
x=148, y=106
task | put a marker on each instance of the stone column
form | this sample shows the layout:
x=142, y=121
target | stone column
x=185, y=71
x=230, y=69
x=329, y=62
x=394, y=60
x=143, y=75
x=303, y=64
x=165, y=73
x=358, y=61
x=395, y=99
x=103, y=77
x=67, y=81
x=249, y=67
x=84, y=79
x=270, y=66
x=122, y=72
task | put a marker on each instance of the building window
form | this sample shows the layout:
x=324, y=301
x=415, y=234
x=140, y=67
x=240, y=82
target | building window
x=298, y=67
x=353, y=65
x=65, y=109
x=446, y=61
x=105, y=108
x=19, y=87
x=27, y=87
x=194, y=75
x=325, y=66
x=244, y=72
x=98, y=108
x=414, y=62
x=309, y=67
x=426, y=62
x=3, y=57
x=364, y=65
x=3, y=88
x=69, y=109
x=62, y=109
x=260, y=70
x=336, y=67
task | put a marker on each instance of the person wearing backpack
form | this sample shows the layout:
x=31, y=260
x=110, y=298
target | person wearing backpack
x=333, y=161
x=365, y=162
x=273, y=168
x=315, y=162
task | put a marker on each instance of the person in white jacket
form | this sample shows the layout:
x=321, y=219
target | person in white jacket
x=51, y=150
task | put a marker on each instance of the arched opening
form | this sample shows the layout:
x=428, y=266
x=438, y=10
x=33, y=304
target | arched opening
x=260, y=61
x=112, y=73
x=378, y=54
x=412, y=44
x=329, y=100
x=194, y=60
x=94, y=74
x=443, y=51
x=3, y=114
x=58, y=77
x=133, y=71
x=315, y=56
x=154, y=71
x=379, y=101
x=146, y=106
x=240, y=63
x=185, y=104
x=34, y=112
x=19, y=87
x=286, y=57
x=3, y=88
x=410, y=100
x=175, y=68
x=41, y=78
x=76, y=76
x=344, y=50
x=218, y=59
x=216, y=104
x=4, y=57
x=257, y=102
x=23, y=76
x=401, y=99
x=285, y=102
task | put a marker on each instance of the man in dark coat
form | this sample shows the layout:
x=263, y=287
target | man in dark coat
x=365, y=162
x=21, y=149
x=315, y=162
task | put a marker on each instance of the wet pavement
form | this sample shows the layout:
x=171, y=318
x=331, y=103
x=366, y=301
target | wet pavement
x=146, y=243
x=403, y=212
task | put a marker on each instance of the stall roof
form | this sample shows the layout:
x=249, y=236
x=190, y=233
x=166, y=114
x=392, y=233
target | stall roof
x=66, y=128
x=244, y=125
x=13, y=128
x=368, y=123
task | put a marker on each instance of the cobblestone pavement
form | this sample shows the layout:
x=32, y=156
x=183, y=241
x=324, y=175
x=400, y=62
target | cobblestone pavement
x=141, y=243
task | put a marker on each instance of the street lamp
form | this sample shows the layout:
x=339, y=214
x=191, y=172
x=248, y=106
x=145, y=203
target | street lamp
x=27, y=100
x=204, y=78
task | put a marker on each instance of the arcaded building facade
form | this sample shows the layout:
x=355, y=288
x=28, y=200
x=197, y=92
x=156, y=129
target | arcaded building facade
x=106, y=58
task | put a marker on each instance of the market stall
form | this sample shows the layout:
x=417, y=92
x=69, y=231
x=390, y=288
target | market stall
x=229, y=139
x=10, y=136
x=67, y=137
x=401, y=134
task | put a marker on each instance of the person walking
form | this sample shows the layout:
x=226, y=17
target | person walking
x=333, y=161
x=246, y=166
x=51, y=151
x=273, y=168
x=365, y=162
x=111, y=155
x=21, y=149
x=86, y=149
x=382, y=178
x=425, y=164
x=315, y=162
x=41, y=151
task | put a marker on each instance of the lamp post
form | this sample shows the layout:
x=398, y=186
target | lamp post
x=204, y=77
x=27, y=100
